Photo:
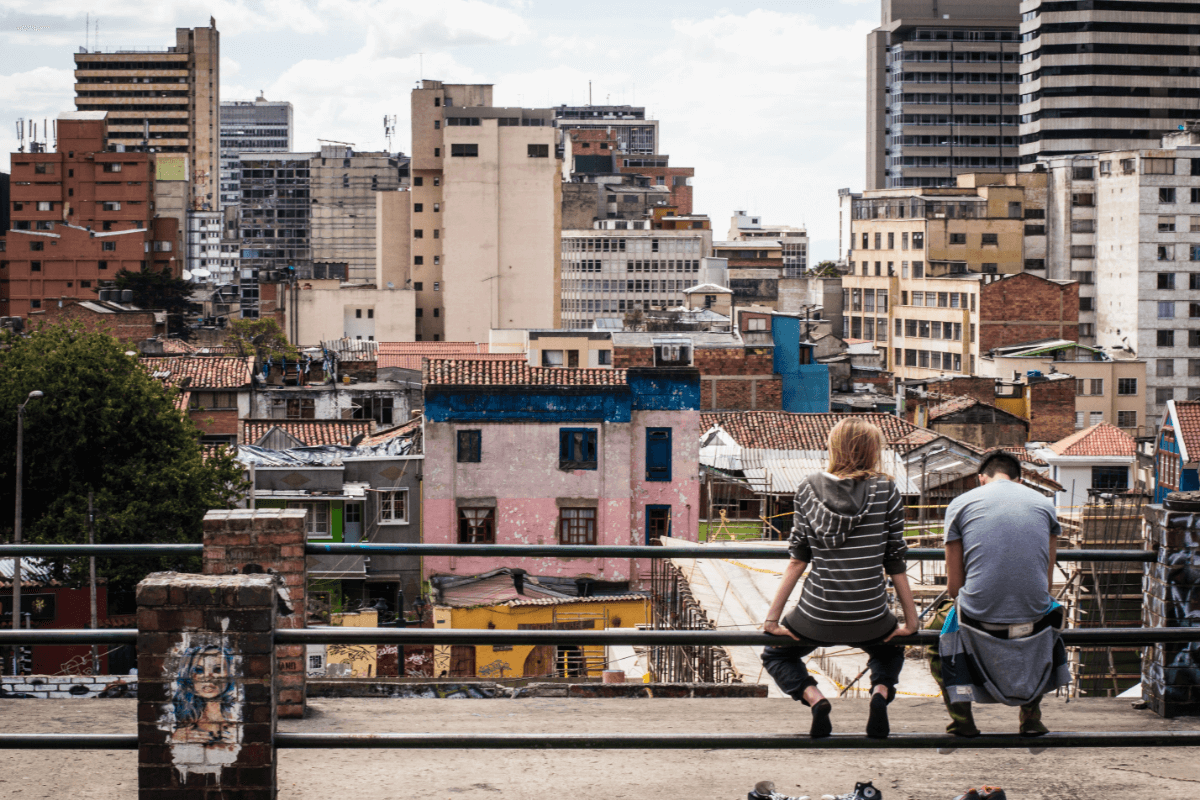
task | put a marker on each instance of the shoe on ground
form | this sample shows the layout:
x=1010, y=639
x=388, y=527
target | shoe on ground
x=862, y=791
x=983, y=793
x=765, y=790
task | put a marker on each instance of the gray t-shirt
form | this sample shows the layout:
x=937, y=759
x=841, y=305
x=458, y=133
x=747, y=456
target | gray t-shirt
x=1005, y=529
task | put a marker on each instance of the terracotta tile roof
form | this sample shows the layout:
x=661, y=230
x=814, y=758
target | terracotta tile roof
x=781, y=430
x=1104, y=439
x=465, y=372
x=312, y=432
x=408, y=355
x=1187, y=414
x=206, y=372
x=177, y=346
x=183, y=400
x=949, y=405
x=1026, y=457
x=208, y=451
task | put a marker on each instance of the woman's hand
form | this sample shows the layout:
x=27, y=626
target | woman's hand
x=907, y=629
x=775, y=629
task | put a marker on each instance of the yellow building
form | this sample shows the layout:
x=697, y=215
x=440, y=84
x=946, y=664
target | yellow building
x=930, y=251
x=528, y=661
x=352, y=660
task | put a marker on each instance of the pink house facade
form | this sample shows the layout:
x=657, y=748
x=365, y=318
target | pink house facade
x=530, y=455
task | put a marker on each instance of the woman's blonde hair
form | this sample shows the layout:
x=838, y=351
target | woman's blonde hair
x=855, y=449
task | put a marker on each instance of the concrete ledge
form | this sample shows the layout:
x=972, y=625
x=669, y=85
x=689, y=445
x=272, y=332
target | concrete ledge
x=484, y=690
x=642, y=690
x=397, y=689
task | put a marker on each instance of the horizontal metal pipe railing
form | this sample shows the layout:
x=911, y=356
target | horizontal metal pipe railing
x=515, y=550
x=643, y=741
x=1109, y=637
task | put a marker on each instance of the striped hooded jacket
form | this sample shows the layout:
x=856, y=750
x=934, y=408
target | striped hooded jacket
x=851, y=532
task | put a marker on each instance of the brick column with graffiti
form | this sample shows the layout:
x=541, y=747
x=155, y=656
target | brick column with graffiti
x=206, y=697
x=267, y=540
x=1171, y=672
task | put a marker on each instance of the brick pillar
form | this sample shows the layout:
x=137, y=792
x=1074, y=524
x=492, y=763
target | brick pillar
x=206, y=699
x=267, y=539
x=1170, y=588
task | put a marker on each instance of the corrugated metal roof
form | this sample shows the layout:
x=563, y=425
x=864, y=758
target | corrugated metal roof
x=34, y=572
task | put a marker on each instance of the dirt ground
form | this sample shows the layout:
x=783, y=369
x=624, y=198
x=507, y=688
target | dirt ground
x=1112, y=774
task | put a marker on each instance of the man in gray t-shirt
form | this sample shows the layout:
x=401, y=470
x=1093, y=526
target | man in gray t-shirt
x=1001, y=542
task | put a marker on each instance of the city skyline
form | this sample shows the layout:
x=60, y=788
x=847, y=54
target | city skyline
x=771, y=88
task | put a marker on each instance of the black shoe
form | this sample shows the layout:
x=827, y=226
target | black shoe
x=877, y=722
x=765, y=790
x=862, y=791
x=821, y=726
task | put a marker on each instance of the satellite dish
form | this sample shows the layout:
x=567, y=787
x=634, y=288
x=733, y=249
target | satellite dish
x=201, y=272
x=187, y=276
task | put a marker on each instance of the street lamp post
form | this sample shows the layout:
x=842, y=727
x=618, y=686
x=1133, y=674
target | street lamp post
x=16, y=612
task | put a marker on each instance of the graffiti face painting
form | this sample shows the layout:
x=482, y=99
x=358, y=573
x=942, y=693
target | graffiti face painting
x=205, y=705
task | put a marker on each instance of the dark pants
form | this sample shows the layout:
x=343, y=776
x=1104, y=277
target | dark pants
x=786, y=665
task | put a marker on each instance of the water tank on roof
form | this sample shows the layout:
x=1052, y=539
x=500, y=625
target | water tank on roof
x=1033, y=373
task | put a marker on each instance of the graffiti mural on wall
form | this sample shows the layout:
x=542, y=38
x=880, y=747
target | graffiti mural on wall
x=205, y=705
x=1183, y=577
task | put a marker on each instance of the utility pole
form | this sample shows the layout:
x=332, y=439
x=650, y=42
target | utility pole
x=92, y=577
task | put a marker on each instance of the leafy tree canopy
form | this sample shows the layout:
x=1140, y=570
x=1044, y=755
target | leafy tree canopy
x=107, y=426
x=160, y=291
x=260, y=337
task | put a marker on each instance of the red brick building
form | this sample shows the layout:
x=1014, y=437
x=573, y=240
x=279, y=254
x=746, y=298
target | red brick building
x=126, y=323
x=732, y=378
x=1025, y=308
x=79, y=216
x=677, y=179
x=217, y=391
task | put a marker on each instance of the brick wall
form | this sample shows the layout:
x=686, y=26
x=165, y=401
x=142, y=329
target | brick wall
x=205, y=686
x=1025, y=308
x=720, y=369
x=626, y=357
x=982, y=389
x=1052, y=410
x=128, y=326
x=216, y=422
x=267, y=538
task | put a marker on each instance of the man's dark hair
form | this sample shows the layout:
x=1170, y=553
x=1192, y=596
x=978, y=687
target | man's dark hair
x=1001, y=461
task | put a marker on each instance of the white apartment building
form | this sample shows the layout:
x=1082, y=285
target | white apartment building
x=622, y=265
x=1126, y=225
x=793, y=241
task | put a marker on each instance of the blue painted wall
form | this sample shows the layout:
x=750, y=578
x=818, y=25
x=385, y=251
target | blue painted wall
x=648, y=390
x=1189, y=478
x=805, y=388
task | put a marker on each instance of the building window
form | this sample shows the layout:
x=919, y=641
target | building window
x=112, y=206
x=990, y=238
x=1126, y=419
x=1166, y=280
x=1166, y=252
x=918, y=241
x=958, y=238
x=1165, y=368
x=393, y=506
x=1166, y=309
x=576, y=448
x=552, y=358
x=418, y=233
x=1163, y=394
x=301, y=408
x=35, y=266
x=108, y=247
x=658, y=454
x=1166, y=338
x=604, y=358
x=1115, y=478
x=1166, y=224
x=464, y=150
x=212, y=400
x=1087, y=304
x=1127, y=386
x=1158, y=166
x=1097, y=387
x=577, y=526
x=538, y=150
x=1080, y=417
x=316, y=521
x=418, y=181
x=470, y=446
x=1166, y=194
x=37, y=245
x=477, y=526
x=418, y=208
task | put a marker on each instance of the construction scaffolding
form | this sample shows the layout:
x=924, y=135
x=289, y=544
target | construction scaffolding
x=672, y=607
x=1107, y=594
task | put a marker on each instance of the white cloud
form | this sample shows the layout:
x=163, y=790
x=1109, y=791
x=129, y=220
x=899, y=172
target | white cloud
x=38, y=95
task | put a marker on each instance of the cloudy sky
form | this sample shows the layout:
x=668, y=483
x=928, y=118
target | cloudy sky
x=767, y=102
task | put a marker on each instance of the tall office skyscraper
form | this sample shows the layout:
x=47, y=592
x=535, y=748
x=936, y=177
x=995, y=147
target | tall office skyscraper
x=173, y=95
x=1106, y=75
x=941, y=91
x=251, y=126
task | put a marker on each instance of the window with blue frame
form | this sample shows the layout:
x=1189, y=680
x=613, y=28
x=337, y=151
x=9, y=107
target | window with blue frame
x=576, y=448
x=658, y=454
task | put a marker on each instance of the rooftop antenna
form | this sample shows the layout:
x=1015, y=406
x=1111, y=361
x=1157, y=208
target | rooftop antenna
x=589, y=93
x=21, y=134
x=389, y=129
x=87, y=31
x=421, y=66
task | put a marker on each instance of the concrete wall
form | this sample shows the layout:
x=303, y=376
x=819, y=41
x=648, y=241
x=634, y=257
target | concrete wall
x=323, y=311
x=502, y=216
x=393, y=238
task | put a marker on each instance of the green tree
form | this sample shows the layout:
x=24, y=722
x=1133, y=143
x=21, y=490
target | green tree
x=260, y=337
x=160, y=291
x=104, y=425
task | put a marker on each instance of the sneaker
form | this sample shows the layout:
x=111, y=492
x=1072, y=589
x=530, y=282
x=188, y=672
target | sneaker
x=862, y=791
x=765, y=790
x=983, y=793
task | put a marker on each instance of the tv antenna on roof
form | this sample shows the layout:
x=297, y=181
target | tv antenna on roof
x=389, y=129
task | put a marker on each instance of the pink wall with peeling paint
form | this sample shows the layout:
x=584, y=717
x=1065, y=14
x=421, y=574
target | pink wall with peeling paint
x=519, y=471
